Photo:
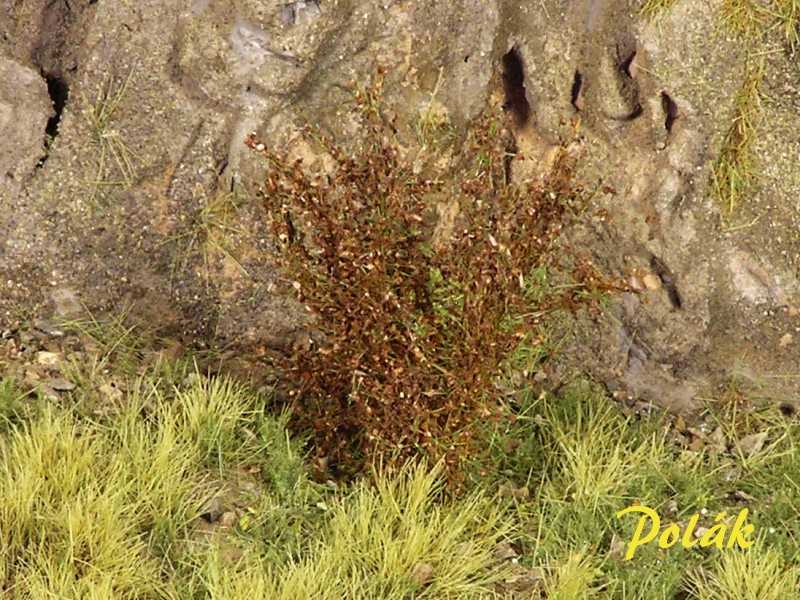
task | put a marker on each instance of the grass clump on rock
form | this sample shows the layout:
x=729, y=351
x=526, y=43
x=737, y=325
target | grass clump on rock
x=735, y=170
x=653, y=8
x=754, y=18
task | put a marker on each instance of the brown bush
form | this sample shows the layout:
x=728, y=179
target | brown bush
x=414, y=328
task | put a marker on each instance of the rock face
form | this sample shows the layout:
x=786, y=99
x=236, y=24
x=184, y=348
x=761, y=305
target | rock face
x=143, y=199
x=24, y=111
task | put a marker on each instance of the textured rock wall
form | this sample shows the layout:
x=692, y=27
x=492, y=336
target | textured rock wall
x=140, y=198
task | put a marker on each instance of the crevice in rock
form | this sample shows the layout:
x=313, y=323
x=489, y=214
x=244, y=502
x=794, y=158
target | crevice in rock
x=635, y=349
x=625, y=63
x=634, y=114
x=670, y=111
x=61, y=30
x=575, y=92
x=668, y=280
x=637, y=357
x=58, y=90
x=516, y=100
x=221, y=166
x=510, y=154
x=625, y=54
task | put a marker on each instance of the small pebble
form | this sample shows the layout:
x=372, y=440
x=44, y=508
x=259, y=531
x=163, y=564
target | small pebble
x=652, y=281
x=636, y=283
x=49, y=328
x=228, y=519
x=300, y=12
x=61, y=385
x=422, y=573
x=504, y=551
x=212, y=511
x=48, y=359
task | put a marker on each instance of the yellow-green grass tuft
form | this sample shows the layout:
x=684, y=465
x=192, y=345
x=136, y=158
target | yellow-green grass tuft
x=754, y=18
x=87, y=507
x=653, y=8
x=110, y=507
x=576, y=577
x=735, y=171
x=757, y=574
x=394, y=539
x=115, y=159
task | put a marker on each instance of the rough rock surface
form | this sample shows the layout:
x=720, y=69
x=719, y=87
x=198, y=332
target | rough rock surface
x=24, y=112
x=143, y=199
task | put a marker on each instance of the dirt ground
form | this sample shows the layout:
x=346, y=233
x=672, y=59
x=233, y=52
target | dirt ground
x=125, y=185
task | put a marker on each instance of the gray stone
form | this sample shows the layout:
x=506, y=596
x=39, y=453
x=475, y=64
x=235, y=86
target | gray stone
x=61, y=385
x=66, y=302
x=24, y=110
x=300, y=12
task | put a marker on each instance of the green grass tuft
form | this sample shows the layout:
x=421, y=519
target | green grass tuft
x=755, y=575
x=115, y=160
x=110, y=508
x=654, y=8
x=569, y=463
x=735, y=171
x=752, y=19
x=392, y=540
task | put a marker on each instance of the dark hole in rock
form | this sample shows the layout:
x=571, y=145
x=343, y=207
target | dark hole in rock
x=670, y=111
x=624, y=56
x=466, y=58
x=787, y=410
x=674, y=296
x=58, y=90
x=625, y=64
x=514, y=86
x=635, y=113
x=668, y=280
x=577, y=84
